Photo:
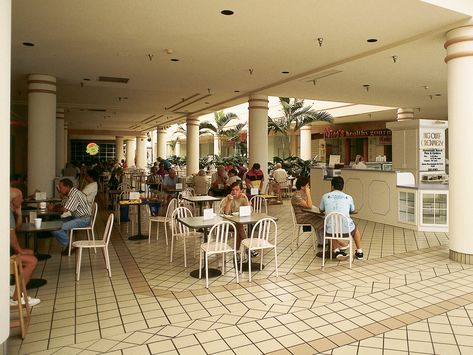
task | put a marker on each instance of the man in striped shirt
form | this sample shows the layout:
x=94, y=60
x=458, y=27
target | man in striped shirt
x=75, y=212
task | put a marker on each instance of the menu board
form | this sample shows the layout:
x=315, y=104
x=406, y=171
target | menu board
x=432, y=149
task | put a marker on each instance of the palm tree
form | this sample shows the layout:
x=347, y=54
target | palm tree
x=295, y=116
x=221, y=120
x=234, y=135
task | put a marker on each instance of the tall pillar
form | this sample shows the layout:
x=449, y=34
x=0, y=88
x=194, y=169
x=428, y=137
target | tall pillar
x=405, y=114
x=130, y=152
x=41, y=133
x=5, y=69
x=459, y=59
x=177, y=148
x=66, y=142
x=306, y=142
x=161, y=142
x=141, y=152
x=154, y=146
x=60, y=143
x=258, y=132
x=119, y=148
x=192, y=145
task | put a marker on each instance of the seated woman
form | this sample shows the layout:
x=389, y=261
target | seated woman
x=232, y=203
x=201, y=183
x=302, y=199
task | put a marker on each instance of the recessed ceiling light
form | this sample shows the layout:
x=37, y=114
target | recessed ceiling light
x=285, y=72
x=438, y=94
x=371, y=40
x=206, y=102
x=28, y=44
x=174, y=60
x=236, y=91
x=86, y=79
x=227, y=12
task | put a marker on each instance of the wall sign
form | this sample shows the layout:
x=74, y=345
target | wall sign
x=431, y=149
x=342, y=133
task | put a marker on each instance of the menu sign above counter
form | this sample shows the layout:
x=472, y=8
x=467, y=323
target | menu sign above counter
x=432, y=149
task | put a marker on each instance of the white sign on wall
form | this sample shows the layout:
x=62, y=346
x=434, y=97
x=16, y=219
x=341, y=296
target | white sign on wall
x=432, y=149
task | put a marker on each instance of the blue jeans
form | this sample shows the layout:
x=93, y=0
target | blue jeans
x=62, y=235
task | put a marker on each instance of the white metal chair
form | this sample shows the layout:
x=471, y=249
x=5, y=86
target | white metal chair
x=162, y=219
x=217, y=243
x=338, y=223
x=87, y=244
x=298, y=226
x=285, y=188
x=89, y=229
x=179, y=230
x=259, y=204
x=259, y=240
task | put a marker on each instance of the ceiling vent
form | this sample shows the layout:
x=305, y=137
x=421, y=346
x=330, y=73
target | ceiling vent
x=96, y=110
x=111, y=79
x=320, y=75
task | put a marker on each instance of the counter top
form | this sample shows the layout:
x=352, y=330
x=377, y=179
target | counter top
x=436, y=187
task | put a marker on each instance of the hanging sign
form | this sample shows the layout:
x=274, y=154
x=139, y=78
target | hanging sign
x=432, y=149
x=92, y=149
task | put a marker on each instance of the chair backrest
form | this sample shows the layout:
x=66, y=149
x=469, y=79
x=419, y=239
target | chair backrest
x=171, y=207
x=189, y=191
x=176, y=226
x=218, y=236
x=124, y=195
x=108, y=229
x=262, y=229
x=259, y=204
x=93, y=215
x=218, y=206
x=124, y=186
x=339, y=225
x=293, y=214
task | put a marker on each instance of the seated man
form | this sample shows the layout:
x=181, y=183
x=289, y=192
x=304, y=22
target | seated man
x=28, y=260
x=201, y=183
x=90, y=190
x=75, y=212
x=232, y=177
x=169, y=184
x=154, y=179
x=303, y=199
x=338, y=201
x=279, y=177
x=218, y=185
x=231, y=204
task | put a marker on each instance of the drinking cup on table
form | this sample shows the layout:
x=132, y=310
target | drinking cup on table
x=37, y=223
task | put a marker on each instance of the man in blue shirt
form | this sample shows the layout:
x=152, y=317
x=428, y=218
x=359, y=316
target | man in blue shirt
x=338, y=201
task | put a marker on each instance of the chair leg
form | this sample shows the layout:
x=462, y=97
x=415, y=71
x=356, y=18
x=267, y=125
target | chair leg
x=200, y=264
x=172, y=247
x=261, y=259
x=107, y=260
x=223, y=263
x=313, y=233
x=249, y=264
x=236, y=267
x=185, y=252
x=323, y=254
x=79, y=257
x=157, y=231
x=241, y=258
x=93, y=239
x=71, y=233
x=276, y=261
x=207, y=270
x=149, y=231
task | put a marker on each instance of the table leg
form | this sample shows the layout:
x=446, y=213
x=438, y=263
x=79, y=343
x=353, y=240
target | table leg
x=138, y=236
x=39, y=256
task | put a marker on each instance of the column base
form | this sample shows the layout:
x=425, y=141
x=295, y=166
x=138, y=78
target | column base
x=460, y=257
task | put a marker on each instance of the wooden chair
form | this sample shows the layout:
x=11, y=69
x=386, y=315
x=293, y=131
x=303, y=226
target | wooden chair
x=23, y=320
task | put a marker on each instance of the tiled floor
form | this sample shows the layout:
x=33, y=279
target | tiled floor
x=406, y=297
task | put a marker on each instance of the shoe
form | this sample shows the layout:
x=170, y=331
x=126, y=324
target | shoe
x=254, y=253
x=31, y=301
x=341, y=255
x=359, y=255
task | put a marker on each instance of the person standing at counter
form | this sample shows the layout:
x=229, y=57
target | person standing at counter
x=359, y=163
x=338, y=201
x=302, y=199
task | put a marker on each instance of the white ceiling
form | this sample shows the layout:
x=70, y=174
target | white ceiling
x=79, y=39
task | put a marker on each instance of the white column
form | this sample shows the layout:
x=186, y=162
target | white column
x=60, y=149
x=130, y=152
x=66, y=142
x=41, y=133
x=216, y=145
x=5, y=45
x=154, y=145
x=119, y=148
x=192, y=145
x=459, y=61
x=258, y=132
x=306, y=142
x=141, y=152
x=405, y=114
x=161, y=142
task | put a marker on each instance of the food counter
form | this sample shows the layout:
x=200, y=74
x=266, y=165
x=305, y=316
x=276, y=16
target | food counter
x=390, y=197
